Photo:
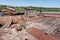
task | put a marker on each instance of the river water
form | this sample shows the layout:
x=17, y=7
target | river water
x=51, y=12
x=1, y=14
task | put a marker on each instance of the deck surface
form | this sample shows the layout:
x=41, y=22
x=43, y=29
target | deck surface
x=50, y=25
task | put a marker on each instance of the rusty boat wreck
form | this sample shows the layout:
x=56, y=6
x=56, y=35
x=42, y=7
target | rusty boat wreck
x=29, y=25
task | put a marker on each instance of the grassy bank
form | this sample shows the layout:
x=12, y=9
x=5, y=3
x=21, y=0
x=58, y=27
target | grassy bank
x=41, y=9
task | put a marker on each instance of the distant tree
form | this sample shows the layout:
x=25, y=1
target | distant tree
x=40, y=9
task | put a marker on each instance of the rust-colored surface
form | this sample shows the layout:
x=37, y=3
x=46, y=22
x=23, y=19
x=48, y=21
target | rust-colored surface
x=34, y=18
x=41, y=35
x=20, y=19
x=4, y=19
x=16, y=26
x=51, y=15
x=16, y=19
x=35, y=32
x=1, y=38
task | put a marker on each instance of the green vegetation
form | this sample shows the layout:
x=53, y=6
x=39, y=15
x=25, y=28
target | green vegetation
x=40, y=9
x=24, y=25
x=18, y=8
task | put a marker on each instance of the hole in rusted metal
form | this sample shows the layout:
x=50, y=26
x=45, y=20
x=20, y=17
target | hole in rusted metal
x=26, y=39
x=1, y=25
